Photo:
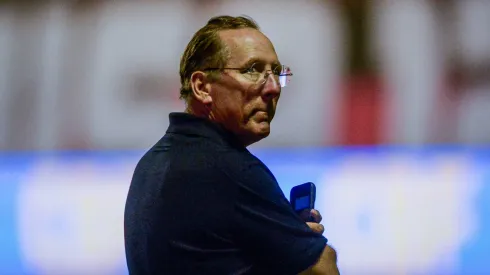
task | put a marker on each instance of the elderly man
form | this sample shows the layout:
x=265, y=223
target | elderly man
x=199, y=201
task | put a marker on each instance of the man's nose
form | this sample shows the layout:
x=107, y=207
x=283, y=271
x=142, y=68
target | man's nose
x=271, y=87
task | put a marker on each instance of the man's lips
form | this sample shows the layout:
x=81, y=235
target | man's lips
x=261, y=116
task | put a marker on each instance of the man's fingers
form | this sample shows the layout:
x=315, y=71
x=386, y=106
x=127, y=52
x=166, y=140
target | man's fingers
x=318, y=228
x=317, y=217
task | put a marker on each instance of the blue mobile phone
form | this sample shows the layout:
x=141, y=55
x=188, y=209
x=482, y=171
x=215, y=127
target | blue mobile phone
x=302, y=198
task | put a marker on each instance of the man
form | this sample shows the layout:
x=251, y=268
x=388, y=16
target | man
x=199, y=201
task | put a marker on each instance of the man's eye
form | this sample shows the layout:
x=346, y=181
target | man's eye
x=252, y=69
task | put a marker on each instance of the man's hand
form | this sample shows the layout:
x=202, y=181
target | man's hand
x=327, y=263
x=316, y=226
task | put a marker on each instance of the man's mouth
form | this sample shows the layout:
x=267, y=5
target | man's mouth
x=261, y=116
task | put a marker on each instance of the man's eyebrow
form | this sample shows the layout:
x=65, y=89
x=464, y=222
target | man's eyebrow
x=254, y=60
x=251, y=61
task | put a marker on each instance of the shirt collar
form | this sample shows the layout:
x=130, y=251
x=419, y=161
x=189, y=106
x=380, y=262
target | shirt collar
x=188, y=124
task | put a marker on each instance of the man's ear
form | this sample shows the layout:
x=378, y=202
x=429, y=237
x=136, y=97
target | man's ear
x=201, y=88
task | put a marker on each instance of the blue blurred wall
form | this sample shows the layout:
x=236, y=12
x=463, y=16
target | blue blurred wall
x=62, y=212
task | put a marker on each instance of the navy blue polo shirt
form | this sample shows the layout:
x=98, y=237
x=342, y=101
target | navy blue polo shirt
x=201, y=203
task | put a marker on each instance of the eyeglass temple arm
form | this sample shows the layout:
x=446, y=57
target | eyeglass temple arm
x=209, y=69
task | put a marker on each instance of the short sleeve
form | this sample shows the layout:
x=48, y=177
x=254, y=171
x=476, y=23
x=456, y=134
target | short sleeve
x=268, y=229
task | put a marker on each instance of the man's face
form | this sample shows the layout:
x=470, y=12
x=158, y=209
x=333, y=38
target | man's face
x=242, y=105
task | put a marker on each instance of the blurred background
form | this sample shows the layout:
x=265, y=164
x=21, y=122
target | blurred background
x=388, y=113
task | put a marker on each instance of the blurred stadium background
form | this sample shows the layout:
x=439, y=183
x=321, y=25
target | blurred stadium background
x=388, y=113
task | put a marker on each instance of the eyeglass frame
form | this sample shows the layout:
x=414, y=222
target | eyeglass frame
x=247, y=70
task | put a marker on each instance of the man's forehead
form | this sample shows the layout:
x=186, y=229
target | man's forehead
x=247, y=43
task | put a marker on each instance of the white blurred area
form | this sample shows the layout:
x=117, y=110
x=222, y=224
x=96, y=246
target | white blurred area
x=413, y=217
x=104, y=74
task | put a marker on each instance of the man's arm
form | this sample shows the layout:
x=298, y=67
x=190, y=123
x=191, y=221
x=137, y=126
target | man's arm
x=326, y=264
x=266, y=227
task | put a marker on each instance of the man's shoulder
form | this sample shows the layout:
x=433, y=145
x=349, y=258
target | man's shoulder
x=192, y=147
x=191, y=154
x=201, y=158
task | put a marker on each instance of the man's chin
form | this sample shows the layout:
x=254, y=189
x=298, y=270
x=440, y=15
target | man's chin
x=261, y=129
x=255, y=131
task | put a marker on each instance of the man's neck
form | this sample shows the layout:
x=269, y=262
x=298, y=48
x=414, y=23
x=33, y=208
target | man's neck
x=196, y=110
x=206, y=114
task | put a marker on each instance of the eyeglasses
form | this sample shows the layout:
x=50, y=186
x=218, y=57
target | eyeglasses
x=258, y=73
